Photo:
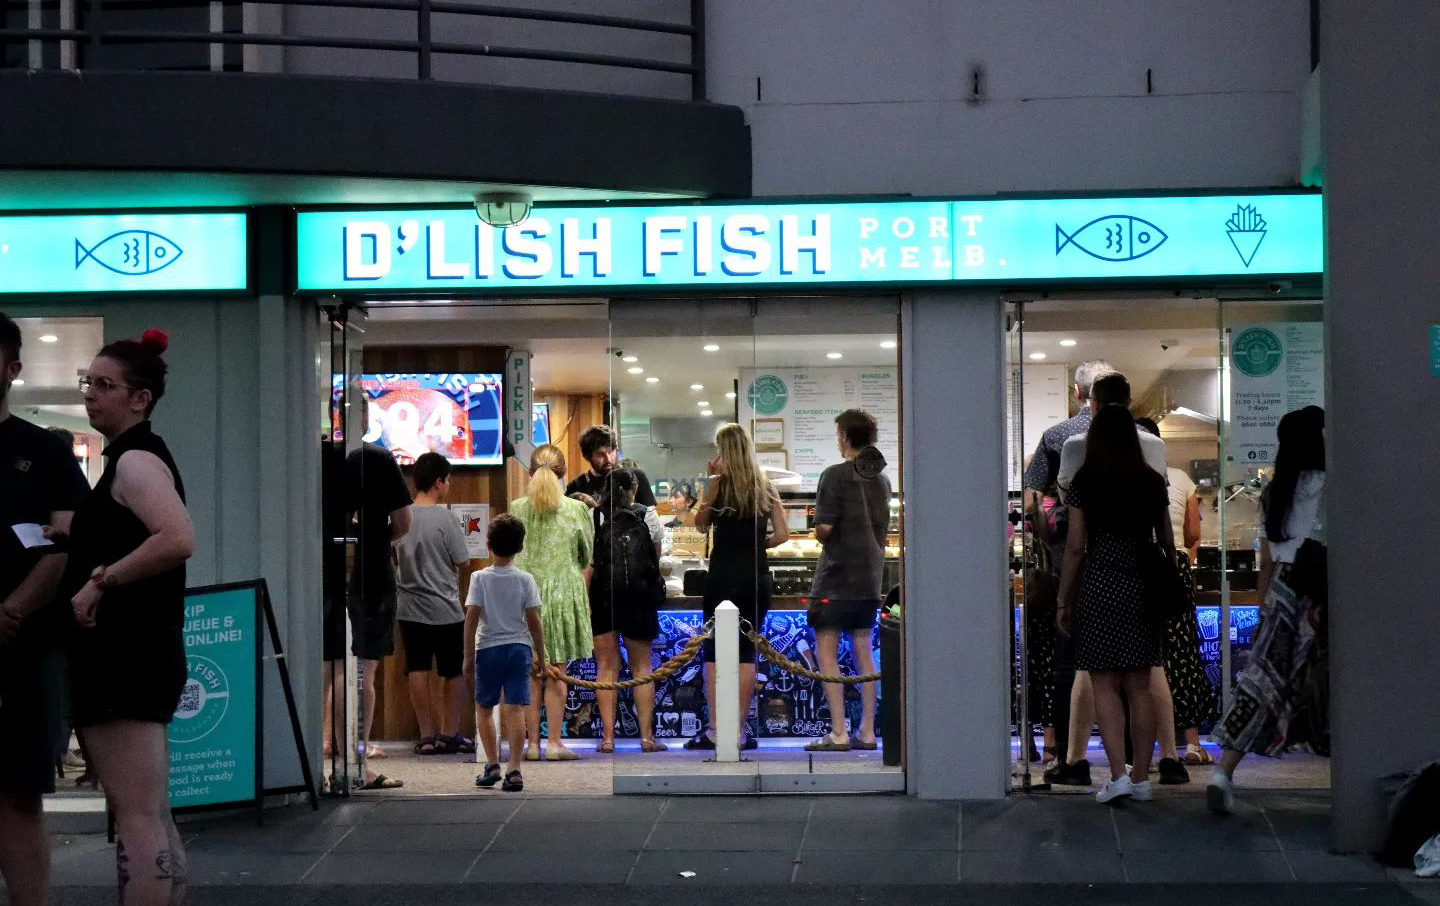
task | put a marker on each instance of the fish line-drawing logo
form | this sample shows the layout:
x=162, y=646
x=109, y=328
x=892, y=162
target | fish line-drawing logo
x=1257, y=352
x=132, y=253
x=203, y=700
x=1114, y=237
x=768, y=394
x=1246, y=229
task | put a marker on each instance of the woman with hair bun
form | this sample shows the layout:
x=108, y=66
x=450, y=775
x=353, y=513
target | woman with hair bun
x=559, y=541
x=126, y=577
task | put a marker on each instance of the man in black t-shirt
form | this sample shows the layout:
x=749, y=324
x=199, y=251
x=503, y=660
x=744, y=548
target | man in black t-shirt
x=600, y=448
x=40, y=484
x=376, y=496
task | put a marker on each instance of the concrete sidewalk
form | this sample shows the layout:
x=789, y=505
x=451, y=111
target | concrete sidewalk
x=406, y=850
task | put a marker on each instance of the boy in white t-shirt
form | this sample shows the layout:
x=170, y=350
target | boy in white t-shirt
x=502, y=615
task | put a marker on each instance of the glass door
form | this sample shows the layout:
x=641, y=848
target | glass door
x=343, y=418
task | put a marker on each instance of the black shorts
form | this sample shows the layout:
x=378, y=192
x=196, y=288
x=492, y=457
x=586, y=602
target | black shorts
x=372, y=626
x=439, y=644
x=31, y=698
x=754, y=603
x=634, y=618
x=842, y=616
x=126, y=673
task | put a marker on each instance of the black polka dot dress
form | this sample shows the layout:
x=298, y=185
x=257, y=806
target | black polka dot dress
x=1112, y=631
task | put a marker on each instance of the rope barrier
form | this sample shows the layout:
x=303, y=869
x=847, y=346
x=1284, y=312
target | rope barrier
x=663, y=672
x=784, y=663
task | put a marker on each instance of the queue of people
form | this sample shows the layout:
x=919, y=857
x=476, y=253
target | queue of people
x=1124, y=643
x=92, y=585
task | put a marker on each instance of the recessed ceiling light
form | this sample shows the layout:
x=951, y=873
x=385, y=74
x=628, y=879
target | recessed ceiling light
x=834, y=355
x=18, y=382
x=707, y=412
x=631, y=359
x=652, y=380
x=730, y=395
x=635, y=369
x=712, y=347
x=1037, y=356
x=49, y=338
x=887, y=344
x=1067, y=343
x=702, y=402
x=697, y=386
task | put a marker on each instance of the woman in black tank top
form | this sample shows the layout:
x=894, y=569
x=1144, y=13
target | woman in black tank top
x=126, y=577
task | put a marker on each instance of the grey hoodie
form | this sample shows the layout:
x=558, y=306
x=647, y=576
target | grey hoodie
x=854, y=498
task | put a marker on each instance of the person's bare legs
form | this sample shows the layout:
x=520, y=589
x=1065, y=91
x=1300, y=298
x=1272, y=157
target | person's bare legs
x=532, y=714
x=607, y=670
x=827, y=653
x=1141, y=693
x=747, y=693
x=419, y=683
x=132, y=760
x=710, y=698
x=555, y=695
x=1082, y=717
x=1229, y=761
x=327, y=732
x=456, y=692
x=1111, y=712
x=24, y=850
x=639, y=652
x=864, y=663
x=513, y=718
x=488, y=738
x=368, y=669
x=1164, y=709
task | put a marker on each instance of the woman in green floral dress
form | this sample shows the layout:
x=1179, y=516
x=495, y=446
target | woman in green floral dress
x=559, y=538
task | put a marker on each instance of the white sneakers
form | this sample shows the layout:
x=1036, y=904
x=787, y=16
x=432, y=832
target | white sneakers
x=1220, y=793
x=1124, y=787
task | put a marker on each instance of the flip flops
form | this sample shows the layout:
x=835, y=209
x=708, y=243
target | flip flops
x=381, y=782
x=826, y=744
x=856, y=744
x=650, y=745
x=560, y=753
x=605, y=748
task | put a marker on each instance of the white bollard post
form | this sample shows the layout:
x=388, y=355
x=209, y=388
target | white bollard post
x=727, y=682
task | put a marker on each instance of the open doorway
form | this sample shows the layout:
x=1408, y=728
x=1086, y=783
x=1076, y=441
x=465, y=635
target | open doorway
x=1217, y=420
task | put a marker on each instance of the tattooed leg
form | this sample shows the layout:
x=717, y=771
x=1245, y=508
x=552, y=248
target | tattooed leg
x=179, y=865
x=122, y=869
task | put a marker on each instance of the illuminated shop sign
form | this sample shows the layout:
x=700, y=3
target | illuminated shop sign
x=123, y=253
x=818, y=243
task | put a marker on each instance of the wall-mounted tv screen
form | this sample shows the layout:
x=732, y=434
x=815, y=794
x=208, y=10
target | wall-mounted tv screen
x=455, y=415
x=541, y=431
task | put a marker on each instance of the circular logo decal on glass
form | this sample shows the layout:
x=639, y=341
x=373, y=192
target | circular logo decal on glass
x=203, y=701
x=768, y=394
x=1257, y=352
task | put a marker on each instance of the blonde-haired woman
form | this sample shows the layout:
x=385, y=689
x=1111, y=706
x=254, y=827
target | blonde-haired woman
x=743, y=508
x=559, y=538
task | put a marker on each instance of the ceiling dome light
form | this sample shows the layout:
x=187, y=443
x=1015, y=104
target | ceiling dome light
x=652, y=380
x=887, y=344
x=707, y=413
x=635, y=369
x=711, y=347
x=702, y=402
x=697, y=386
x=1037, y=356
x=1067, y=343
x=18, y=382
x=630, y=359
x=49, y=338
x=834, y=355
x=730, y=395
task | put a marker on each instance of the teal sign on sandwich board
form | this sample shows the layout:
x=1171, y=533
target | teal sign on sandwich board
x=123, y=253
x=780, y=244
x=213, y=749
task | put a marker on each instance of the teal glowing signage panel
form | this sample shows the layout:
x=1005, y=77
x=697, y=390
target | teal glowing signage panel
x=212, y=737
x=123, y=253
x=726, y=246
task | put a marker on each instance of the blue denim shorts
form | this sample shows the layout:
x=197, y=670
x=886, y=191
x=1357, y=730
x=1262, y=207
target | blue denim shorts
x=502, y=670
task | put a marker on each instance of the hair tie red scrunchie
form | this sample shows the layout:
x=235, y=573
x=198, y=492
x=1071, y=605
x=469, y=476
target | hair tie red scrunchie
x=156, y=339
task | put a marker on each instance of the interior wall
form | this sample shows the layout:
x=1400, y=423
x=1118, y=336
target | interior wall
x=1381, y=64
x=956, y=603
x=852, y=96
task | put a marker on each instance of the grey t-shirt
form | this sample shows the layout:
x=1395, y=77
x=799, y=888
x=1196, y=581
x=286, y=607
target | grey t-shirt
x=503, y=594
x=854, y=498
x=430, y=553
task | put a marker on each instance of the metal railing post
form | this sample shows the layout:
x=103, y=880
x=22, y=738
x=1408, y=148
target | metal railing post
x=422, y=35
x=698, y=91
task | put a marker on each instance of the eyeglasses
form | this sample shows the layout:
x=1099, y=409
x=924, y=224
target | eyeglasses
x=104, y=385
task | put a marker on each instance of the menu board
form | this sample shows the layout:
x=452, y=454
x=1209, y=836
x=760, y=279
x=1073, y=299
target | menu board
x=804, y=403
x=1274, y=369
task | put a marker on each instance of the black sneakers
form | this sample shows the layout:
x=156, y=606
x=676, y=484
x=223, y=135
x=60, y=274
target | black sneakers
x=1172, y=772
x=1062, y=774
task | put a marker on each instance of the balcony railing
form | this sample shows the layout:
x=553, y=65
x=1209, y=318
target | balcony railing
x=127, y=35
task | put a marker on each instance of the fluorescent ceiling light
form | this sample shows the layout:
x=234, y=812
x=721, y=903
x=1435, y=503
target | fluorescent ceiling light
x=631, y=359
x=1067, y=343
x=697, y=386
x=887, y=344
x=730, y=395
x=652, y=380
x=49, y=338
x=1037, y=356
x=702, y=402
x=635, y=370
x=707, y=413
x=18, y=382
x=712, y=347
x=834, y=355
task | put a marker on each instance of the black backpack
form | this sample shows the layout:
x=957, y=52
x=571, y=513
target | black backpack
x=625, y=555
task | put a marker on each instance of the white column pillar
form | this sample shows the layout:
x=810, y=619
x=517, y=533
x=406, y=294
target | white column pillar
x=727, y=682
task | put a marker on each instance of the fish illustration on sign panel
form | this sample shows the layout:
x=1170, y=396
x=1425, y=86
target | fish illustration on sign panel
x=133, y=253
x=1114, y=237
